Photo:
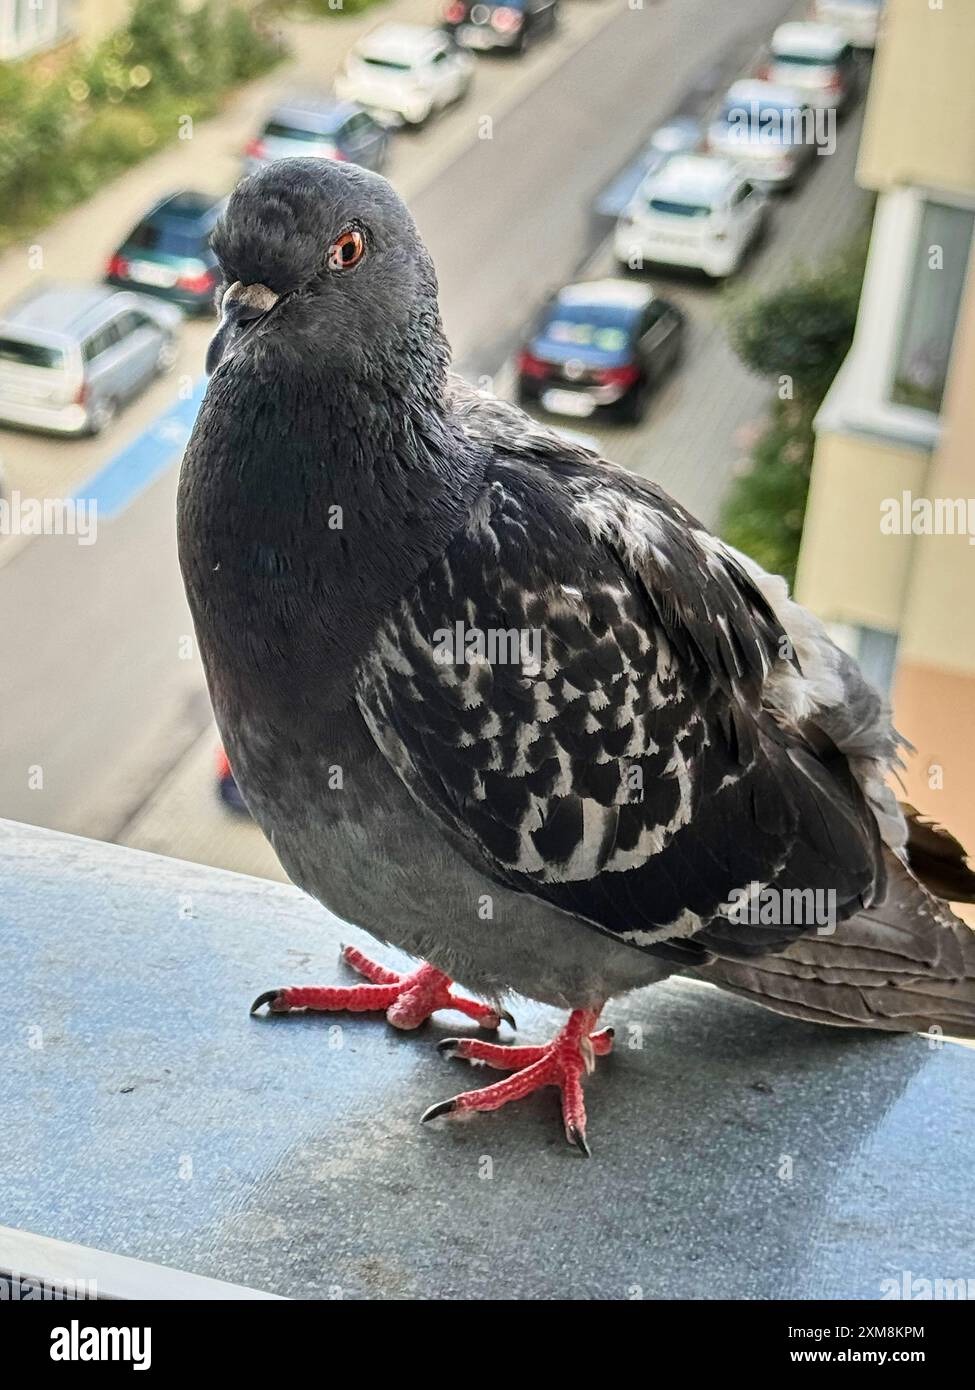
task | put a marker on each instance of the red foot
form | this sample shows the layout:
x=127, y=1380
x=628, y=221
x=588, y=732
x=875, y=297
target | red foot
x=559, y=1063
x=408, y=1000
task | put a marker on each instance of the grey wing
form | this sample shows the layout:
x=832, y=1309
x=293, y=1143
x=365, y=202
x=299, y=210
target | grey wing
x=633, y=777
x=813, y=684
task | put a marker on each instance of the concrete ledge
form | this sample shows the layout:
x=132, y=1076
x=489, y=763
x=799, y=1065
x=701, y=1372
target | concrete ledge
x=736, y=1154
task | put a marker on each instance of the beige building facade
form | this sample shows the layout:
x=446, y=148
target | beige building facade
x=887, y=556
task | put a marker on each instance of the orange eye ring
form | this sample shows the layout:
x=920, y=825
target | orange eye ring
x=347, y=250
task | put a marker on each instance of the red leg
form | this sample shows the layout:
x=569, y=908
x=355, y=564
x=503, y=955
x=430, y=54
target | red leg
x=559, y=1063
x=408, y=999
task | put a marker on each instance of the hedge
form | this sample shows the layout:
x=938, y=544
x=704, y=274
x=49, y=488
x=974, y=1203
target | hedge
x=65, y=131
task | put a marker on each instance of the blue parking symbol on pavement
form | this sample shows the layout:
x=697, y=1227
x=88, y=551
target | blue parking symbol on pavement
x=143, y=460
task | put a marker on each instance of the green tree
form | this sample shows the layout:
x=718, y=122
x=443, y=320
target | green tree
x=796, y=336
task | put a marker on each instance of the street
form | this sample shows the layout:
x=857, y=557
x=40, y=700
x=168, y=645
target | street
x=106, y=728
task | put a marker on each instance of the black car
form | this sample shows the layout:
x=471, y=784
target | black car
x=168, y=253
x=600, y=346
x=510, y=25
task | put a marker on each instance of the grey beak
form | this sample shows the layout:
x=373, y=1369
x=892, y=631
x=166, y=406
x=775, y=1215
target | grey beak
x=241, y=304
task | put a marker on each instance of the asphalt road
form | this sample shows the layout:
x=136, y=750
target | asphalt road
x=101, y=696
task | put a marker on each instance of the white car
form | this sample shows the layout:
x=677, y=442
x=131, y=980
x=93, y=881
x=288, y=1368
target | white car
x=767, y=130
x=859, y=19
x=699, y=211
x=406, y=71
x=817, y=58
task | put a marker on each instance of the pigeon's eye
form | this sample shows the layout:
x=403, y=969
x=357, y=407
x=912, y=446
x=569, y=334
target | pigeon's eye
x=347, y=251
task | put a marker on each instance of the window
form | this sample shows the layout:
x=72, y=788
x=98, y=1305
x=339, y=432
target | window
x=877, y=655
x=675, y=209
x=27, y=354
x=930, y=310
x=101, y=341
x=873, y=648
x=167, y=237
x=388, y=63
x=278, y=130
x=357, y=128
x=26, y=26
x=130, y=322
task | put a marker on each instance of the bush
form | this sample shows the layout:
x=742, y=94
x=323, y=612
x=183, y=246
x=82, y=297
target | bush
x=766, y=505
x=63, y=134
x=803, y=330
x=798, y=336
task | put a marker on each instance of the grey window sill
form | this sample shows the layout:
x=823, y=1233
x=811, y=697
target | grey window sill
x=145, y=1114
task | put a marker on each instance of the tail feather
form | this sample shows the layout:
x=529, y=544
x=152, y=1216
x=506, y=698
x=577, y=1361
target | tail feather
x=937, y=859
x=906, y=965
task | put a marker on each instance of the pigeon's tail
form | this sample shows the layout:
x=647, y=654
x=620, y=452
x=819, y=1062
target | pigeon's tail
x=937, y=859
x=906, y=965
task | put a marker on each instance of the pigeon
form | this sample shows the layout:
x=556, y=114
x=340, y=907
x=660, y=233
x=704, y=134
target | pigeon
x=507, y=706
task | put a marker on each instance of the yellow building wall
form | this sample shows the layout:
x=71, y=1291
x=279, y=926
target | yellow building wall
x=938, y=628
x=934, y=690
x=849, y=570
x=920, y=117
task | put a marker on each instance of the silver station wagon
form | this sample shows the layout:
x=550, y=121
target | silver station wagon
x=70, y=355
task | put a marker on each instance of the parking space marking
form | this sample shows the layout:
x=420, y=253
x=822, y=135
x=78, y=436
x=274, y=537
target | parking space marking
x=144, y=459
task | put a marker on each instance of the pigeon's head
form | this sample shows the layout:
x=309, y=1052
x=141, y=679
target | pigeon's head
x=323, y=266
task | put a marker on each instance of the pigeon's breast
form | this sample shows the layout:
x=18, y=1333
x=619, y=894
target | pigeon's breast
x=348, y=832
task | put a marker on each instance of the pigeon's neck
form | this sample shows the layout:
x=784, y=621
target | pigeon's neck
x=306, y=512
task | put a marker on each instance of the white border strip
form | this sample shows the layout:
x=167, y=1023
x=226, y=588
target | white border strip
x=29, y=1256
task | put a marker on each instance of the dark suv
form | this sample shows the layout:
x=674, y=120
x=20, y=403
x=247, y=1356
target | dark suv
x=168, y=253
x=510, y=25
x=600, y=346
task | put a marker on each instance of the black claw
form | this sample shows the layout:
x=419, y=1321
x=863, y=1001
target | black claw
x=447, y=1044
x=576, y=1136
x=443, y=1107
x=262, y=999
x=508, y=1018
x=610, y=1032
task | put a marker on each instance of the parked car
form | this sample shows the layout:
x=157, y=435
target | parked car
x=859, y=19
x=681, y=135
x=817, y=58
x=70, y=355
x=699, y=211
x=227, y=788
x=405, y=71
x=319, y=125
x=168, y=252
x=509, y=25
x=767, y=130
x=600, y=346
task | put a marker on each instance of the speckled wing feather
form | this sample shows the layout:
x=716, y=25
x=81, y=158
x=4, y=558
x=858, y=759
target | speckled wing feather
x=631, y=771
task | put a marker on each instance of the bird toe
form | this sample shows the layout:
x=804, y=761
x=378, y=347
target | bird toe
x=269, y=997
